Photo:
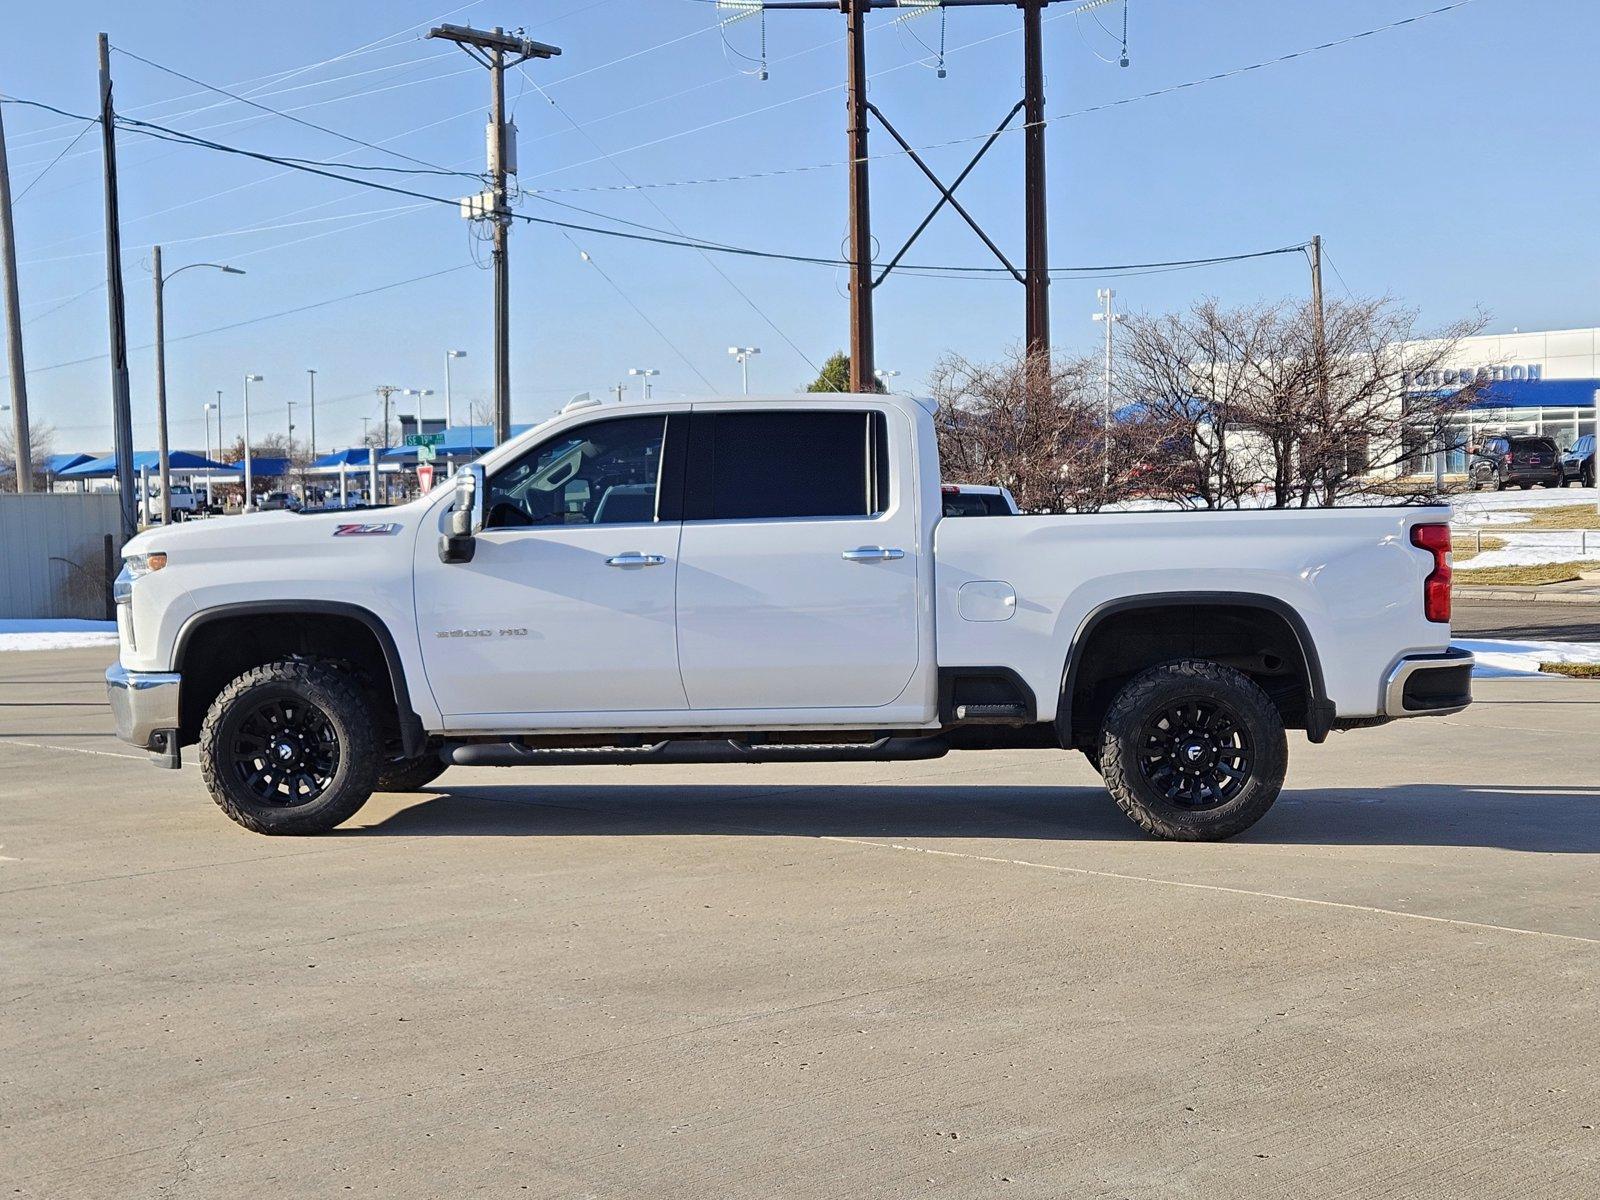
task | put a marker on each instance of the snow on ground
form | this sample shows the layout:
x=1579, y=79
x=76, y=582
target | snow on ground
x=1471, y=508
x=1500, y=660
x=20, y=634
x=1529, y=549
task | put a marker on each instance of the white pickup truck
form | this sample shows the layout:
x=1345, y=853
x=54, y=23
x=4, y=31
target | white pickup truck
x=768, y=580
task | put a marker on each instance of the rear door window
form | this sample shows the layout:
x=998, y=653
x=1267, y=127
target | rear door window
x=788, y=464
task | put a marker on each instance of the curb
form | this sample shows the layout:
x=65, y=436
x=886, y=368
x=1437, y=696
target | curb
x=1470, y=593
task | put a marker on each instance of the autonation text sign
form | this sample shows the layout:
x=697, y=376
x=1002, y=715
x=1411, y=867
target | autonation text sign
x=1466, y=375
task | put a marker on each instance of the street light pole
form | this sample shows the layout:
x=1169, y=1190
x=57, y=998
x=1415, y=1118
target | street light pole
x=208, y=408
x=161, y=371
x=743, y=354
x=645, y=374
x=1109, y=316
x=448, y=355
x=311, y=375
x=249, y=478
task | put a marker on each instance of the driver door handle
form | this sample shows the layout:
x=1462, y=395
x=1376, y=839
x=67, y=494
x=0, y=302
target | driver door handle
x=635, y=560
x=872, y=554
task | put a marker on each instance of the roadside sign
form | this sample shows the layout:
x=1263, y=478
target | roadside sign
x=423, y=439
x=425, y=478
x=427, y=454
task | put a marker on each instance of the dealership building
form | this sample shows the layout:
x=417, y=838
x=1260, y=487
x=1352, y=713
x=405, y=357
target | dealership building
x=1543, y=384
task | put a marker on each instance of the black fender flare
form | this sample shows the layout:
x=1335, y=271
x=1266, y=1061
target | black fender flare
x=1320, y=711
x=413, y=738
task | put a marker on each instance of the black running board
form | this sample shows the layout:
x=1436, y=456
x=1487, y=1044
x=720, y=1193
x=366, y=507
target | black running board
x=692, y=750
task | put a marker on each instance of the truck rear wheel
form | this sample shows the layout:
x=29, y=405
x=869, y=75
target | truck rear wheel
x=1193, y=751
x=290, y=747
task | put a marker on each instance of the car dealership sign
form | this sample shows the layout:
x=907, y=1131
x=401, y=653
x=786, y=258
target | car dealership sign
x=1463, y=376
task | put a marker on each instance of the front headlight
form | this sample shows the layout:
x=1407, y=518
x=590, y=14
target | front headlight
x=134, y=567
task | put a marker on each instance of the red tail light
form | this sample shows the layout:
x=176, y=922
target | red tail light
x=1436, y=588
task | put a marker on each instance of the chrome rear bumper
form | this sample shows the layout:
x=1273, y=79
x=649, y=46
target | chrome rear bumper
x=145, y=707
x=1429, y=684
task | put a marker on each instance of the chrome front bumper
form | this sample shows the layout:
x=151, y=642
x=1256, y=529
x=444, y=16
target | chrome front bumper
x=1429, y=685
x=145, y=706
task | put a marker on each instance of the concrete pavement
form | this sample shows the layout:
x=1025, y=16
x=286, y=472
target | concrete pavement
x=967, y=977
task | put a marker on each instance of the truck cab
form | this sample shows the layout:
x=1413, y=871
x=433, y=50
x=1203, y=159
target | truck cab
x=768, y=580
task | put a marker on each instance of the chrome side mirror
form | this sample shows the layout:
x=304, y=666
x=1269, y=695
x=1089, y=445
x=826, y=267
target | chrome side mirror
x=465, y=520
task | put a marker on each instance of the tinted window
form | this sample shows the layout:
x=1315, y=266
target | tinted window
x=603, y=473
x=1533, y=446
x=965, y=504
x=749, y=465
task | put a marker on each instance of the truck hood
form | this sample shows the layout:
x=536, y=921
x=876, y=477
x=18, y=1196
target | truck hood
x=279, y=532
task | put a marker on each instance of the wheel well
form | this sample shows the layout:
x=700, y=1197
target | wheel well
x=1258, y=641
x=223, y=647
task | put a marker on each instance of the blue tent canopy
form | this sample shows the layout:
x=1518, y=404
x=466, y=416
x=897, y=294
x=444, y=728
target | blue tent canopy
x=353, y=457
x=58, y=463
x=177, y=460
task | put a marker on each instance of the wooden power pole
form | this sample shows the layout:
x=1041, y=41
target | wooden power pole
x=863, y=357
x=498, y=50
x=116, y=306
x=19, y=379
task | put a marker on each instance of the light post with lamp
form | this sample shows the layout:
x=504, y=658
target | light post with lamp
x=885, y=378
x=249, y=478
x=208, y=407
x=645, y=374
x=448, y=355
x=161, y=367
x=744, y=354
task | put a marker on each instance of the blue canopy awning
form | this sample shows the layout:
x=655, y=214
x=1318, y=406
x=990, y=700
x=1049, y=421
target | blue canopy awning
x=177, y=460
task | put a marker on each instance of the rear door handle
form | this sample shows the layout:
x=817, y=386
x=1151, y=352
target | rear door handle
x=635, y=560
x=872, y=554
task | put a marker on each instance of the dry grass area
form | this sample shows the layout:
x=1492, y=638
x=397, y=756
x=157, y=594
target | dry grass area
x=1562, y=516
x=1572, y=670
x=1466, y=546
x=1522, y=576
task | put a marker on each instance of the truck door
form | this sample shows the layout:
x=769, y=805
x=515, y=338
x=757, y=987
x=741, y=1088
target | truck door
x=567, y=604
x=797, y=579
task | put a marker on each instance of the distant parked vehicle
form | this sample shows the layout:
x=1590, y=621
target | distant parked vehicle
x=977, y=500
x=1502, y=461
x=278, y=500
x=1577, y=462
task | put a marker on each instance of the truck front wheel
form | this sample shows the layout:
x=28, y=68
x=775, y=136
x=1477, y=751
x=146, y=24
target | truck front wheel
x=1193, y=751
x=290, y=747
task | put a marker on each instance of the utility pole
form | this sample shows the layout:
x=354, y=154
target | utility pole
x=19, y=377
x=290, y=406
x=1319, y=343
x=862, y=350
x=249, y=466
x=1037, y=252
x=165, y=466
x=116, y=307
x=311, y=376
x=1035, y=277
x=386, y=390
x=219, y=425
x=497, y=51
x=448, y=355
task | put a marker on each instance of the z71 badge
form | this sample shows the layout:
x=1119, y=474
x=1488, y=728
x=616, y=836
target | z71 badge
x=379, y=529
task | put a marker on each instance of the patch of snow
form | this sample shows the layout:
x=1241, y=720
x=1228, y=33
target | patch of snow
x=1503, y=660
x=1468, y=504
x=30, y=634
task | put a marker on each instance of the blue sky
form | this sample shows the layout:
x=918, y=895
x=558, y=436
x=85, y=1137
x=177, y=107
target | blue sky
x=1451, y=163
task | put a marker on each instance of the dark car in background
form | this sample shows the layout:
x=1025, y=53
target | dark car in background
x=1577, y=462
x=1503, y=460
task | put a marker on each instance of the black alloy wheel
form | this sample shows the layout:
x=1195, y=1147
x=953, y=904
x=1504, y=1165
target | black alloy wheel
x=284, y=752
x=1195, y=752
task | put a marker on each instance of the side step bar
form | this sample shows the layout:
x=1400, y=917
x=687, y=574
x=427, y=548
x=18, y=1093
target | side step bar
x=693, y=750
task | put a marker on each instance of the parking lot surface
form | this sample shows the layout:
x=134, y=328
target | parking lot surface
x=968, y=977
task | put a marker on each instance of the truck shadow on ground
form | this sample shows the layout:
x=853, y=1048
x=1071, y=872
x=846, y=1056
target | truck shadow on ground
x=1555, y=820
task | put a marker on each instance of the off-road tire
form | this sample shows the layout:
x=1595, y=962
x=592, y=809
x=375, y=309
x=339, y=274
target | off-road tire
x=409, y=774
x=345, y=702
x=1152, y=692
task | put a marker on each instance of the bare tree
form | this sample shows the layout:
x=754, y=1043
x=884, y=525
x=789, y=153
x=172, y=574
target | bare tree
x=41, y=439
x=1032, y=425
x=1258, y=404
